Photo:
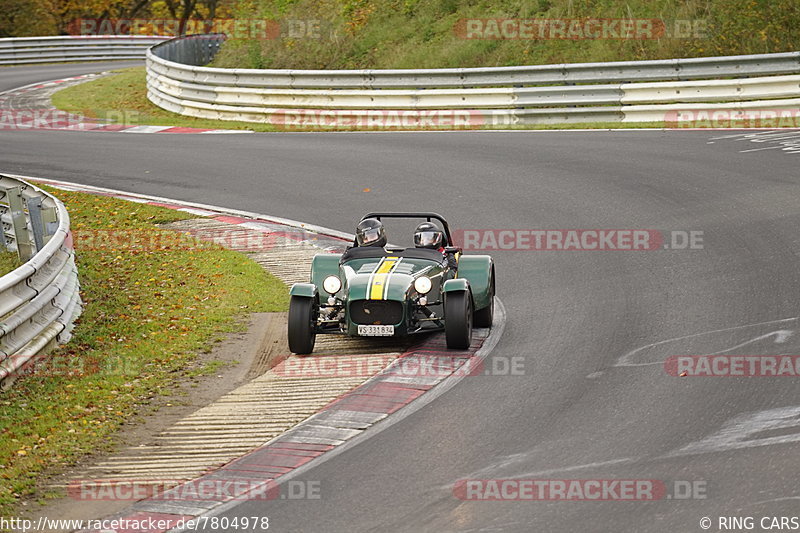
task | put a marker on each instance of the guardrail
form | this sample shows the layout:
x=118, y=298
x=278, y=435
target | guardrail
x=28, y=50
x=631, y=91
x=40, y=300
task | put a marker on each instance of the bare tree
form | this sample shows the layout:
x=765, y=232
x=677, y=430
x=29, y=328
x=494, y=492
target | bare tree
x=181, y=10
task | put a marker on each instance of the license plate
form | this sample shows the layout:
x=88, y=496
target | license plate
x=375, y=331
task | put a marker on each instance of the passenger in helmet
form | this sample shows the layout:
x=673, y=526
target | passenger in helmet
x=370, y=232
x=427, y=235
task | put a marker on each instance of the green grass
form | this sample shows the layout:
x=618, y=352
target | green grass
x=8, y=261
x=123, y=98
x=421, y=33
x=149, y=309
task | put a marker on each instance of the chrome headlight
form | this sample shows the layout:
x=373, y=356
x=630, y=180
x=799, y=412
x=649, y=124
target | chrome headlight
x=332, y=284
x=423, y=284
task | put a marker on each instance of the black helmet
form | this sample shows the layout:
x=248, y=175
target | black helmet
x=427, y=235
x=370, y=232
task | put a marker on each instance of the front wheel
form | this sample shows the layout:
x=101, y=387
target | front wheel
x=302, y=319
x=458, y=320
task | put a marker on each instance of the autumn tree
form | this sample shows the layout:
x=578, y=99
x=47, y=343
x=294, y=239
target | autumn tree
x=27, y=18
x=20, y=18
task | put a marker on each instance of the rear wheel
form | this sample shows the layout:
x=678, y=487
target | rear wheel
x=458, y=320
x=484, y=317
x=302, y=319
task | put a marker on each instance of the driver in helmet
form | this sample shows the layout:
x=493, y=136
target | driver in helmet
x=370, y=232
x=428, y=235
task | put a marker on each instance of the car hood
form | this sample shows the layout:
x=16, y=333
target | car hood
x=388, y=278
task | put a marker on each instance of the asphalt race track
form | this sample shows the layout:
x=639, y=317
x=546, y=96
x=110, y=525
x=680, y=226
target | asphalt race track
x=581, y=409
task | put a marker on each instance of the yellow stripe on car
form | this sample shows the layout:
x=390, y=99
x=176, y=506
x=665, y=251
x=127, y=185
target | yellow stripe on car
x=380, y=279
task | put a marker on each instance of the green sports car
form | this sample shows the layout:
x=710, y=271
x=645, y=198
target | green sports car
x=380, y=291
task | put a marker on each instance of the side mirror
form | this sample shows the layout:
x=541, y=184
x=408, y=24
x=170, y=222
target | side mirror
x=452, y=250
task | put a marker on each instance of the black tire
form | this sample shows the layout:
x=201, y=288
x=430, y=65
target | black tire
x=302, y=316
x=458, y=320
x=485, y=317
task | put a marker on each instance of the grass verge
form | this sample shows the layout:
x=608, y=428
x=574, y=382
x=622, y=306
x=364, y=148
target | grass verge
x=151, y=303
x=124, y=95
x=8, y=261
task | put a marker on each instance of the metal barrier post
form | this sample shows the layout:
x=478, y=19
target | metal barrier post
x=37, y=226
x=15, y=202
